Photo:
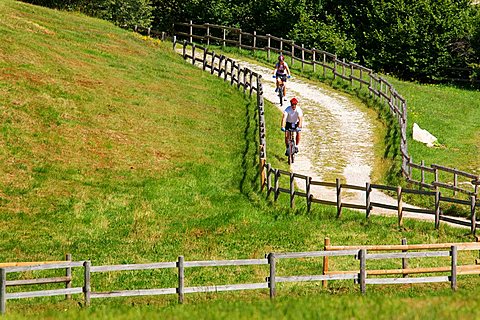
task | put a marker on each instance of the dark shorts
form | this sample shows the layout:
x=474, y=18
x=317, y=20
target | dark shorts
x=291, y=125
x=281, y=76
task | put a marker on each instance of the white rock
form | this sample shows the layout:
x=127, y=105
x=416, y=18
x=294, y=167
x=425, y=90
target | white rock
x=423, y=136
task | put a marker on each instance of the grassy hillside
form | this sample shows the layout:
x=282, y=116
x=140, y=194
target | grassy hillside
x=115, y=150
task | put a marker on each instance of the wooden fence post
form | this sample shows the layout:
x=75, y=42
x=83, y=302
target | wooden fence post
x=313, y=59
x=224, y=36
x=303, y=55
x=193, y=54
x=368, y=190
x=276, y=191
x=268, y=46
x=254, y=40
x=292, y=190
x=399, y=206
x=191, y=31
x=324, y=65
x=3, y=290
x=404, y=260
x=437, y=209
x=174, y=42
x=68, y=274
x=181, y=279
x=185, y=49
x=362, y=277
x=473, y=215
x=271, y=279
x=204, y=59
x=422, y=173
x=86, y=282
x=335, y=67
x=239, y=38
x=326, y=242
x=453, y=277
x=269, y=179
x=293, y=53
x=455, y=182
x=208, y=35
x=339, y=197
x=212, y=70
x=308, y=182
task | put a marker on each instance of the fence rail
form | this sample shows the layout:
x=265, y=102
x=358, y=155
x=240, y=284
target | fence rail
x=357, y=75
x=361, y=276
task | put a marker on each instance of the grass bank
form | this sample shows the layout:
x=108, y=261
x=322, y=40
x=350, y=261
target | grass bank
x=115, y=150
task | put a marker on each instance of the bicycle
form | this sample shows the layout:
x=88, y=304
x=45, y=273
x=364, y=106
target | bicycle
x=281, y=87
x=291, y=149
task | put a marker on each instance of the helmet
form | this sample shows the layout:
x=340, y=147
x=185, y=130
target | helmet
x=281, y=58
x=294, y=101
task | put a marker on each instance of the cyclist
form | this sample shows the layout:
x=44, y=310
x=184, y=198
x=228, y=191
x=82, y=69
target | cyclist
x=281, y=72
x=292, y=119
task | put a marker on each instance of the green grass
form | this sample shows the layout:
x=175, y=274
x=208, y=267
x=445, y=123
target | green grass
x=116, y=150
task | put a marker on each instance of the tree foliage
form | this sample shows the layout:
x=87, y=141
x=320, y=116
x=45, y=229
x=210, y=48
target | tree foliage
x=413, y=39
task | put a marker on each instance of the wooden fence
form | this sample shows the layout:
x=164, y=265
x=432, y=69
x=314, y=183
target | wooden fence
x=270, y=281
x=356, y=75
x=225, y=67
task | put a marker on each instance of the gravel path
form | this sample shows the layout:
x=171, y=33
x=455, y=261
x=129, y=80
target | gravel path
x=336, y=140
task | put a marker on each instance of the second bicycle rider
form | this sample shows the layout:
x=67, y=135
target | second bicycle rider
x=281, y=72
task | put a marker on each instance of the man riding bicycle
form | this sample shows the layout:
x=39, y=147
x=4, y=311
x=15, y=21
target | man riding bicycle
x=281, y=72
x=292, y=119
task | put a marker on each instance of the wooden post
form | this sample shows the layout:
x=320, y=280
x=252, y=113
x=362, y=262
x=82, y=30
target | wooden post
x=281, y=45
x=204, y=59
x=436, y=178
x=181, y=279
x=232, y=67
x=422, y=172
x=362, y=277
x=86, y=282
x=224, y=36
x=148, y=31
x=3, y=290
x=293, y=53
x=473, y=215
x=191, y=31
x=303, y=55
x=268, y=46
x=208, y=35
x=339, y=197
x=250, y=85
x=437, y=209
x=269, y=179
x=455, y=183
x=276, y=191
x=368, y=190
x=184, y=49
x=326, y=243
x=351, y=75
x=399, y=205
x=335, y=67
x=239, y=38
x=313, y=59
x=212, y=70
x=404, y=260
x=68, y=274
x=324, y=65
x=308, y=182
x=453, y=277
x=271, y=279
x=361, y=77
x=193, y=54
x=262, y=173
x=292, y=190
x=174, y=42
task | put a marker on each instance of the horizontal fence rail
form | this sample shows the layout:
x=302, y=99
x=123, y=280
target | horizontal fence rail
x=362, y=275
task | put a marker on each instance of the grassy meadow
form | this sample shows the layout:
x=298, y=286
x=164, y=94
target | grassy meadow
x=115, y=150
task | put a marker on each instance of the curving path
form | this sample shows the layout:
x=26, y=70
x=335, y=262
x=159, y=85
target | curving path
x=336, y=142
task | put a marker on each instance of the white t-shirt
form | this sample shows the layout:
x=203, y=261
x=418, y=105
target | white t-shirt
x=292, y=115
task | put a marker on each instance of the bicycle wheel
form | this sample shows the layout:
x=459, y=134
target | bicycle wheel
x=280, y=94
x=291, y=153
